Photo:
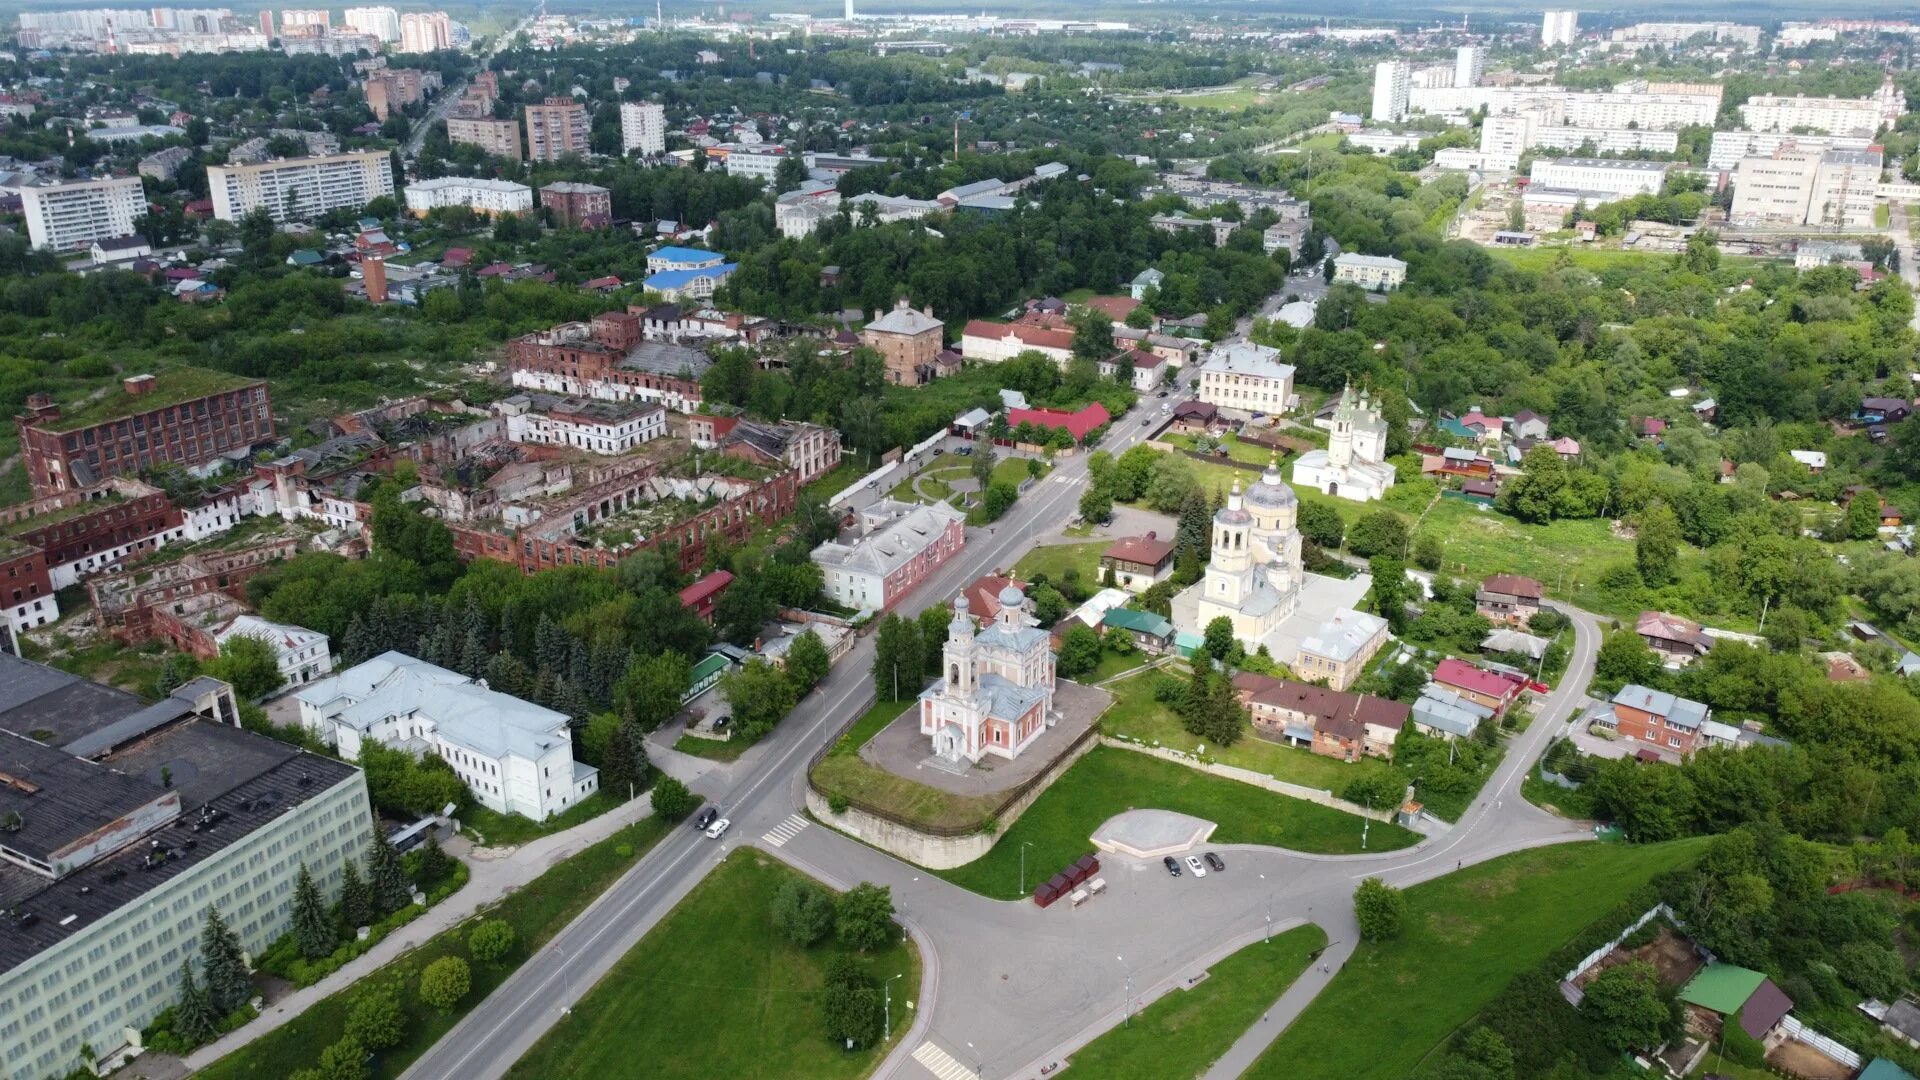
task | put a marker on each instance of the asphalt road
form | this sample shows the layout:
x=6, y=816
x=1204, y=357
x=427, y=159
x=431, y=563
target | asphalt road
x=450, y=96
x=1008, y=989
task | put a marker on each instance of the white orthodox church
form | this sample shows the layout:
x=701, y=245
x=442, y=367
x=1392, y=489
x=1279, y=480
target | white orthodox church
x=996, y=692
x=1255, y=576
x=1353, y=466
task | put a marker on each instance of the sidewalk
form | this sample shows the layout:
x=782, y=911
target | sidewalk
x=491, y=879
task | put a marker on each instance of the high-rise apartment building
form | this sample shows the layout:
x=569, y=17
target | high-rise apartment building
x=294, y=189
x=75, y=213
x=555, y=128
x=1559, y=28
x=1469, y=63
x=1823, y=115
x=643, y=128
x=294, y=17
x=381, y=22
x=427, y=31
x=501, y=138
x=1391, y=81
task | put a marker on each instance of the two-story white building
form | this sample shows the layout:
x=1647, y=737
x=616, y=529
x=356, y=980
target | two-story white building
x=302, y=655
x=1379, y=273
x=516, y=757
x=598, y=427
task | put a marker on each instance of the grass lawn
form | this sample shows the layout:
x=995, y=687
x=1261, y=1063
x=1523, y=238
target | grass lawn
x=712, y=749
x=936, y=477
x=1137, y=716
x=1183, y=1033
x=536, y=912
x=1054, y=560
x=1113, y=663
x=1882, y=216
x=1108, y=781
x=1237, y=450
x=715, y=990
x=1228, y=100
x=1568, y=557
x=1466, y=936
x=1015, y=470
x=499, y=829
x=1586, y=257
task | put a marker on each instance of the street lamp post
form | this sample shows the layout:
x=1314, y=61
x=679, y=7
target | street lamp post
x=1023, y=867
x=566, y=980
x=887, y=1005
x=1365, y=823
x=1127, y=1014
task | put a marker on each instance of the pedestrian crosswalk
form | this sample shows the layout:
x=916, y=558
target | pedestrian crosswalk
x=940, y=1063
x=785, y=831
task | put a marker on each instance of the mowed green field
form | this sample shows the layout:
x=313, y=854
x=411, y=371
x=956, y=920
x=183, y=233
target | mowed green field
x=714, y=990
x=1181, y=1034
x=1466, y=936
x=1109, y=781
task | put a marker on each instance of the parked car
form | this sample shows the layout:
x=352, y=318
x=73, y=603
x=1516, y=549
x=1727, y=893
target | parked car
x=1162, y=393
x=1216, y=862
x=938, y=450
x=1193, y=864
x=965, y=451
x=718, y=829
x=705, y=817
x=1173, y=867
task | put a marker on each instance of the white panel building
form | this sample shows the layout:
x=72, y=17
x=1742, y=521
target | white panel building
x=303, y=655
x=1559, y=28
x=516, y=757
x=643, y=128
x=1825, y=115
x=482, y=196
x=1469, y=64
x=381, y=22
x=1729, y=147
x=294, y=189
x=74, y=214
x=1392, y=79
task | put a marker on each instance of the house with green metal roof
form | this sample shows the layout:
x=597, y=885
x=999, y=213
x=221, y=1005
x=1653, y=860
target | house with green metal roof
x=1729, y=990
x=705, y=674
x=1882, y=1069
x=1150, y=632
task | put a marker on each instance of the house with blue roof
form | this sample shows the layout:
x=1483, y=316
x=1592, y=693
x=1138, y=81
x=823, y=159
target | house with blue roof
x=697, y=284
x=681, y=258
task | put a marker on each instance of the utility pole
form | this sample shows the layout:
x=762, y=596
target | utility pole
x=1365, y=823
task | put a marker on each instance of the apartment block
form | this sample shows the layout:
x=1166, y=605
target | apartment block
x=578, y=206
x=1679, y=33
x=1504, y=139
x=482, y=196
x=1559, y=28
x=295, y=189
x=1392, y=81
x=135, y=819
x=1469, y=64
x=427, y=31
x=643, y=128
x=555, y=128
x=381, y=22
x=188, y=417
x=500, y=138
x=74, y=214
x=1824, y=115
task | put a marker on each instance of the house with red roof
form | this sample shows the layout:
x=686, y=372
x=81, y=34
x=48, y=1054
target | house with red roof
x=601, y=284
x=456, y=258
x=701, y=596
x=990, y=342
x=983, y=596
x=1116, y=308
x=1077, y=424
x=1489, y=689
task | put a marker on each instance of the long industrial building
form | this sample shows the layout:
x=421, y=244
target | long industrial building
x=123, y=823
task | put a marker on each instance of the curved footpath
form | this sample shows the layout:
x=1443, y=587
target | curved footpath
x=1007, y=988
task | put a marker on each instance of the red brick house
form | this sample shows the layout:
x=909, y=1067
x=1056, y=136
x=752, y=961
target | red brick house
x=702, y=596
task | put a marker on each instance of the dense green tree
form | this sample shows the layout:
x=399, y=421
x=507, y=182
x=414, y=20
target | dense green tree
x=1380, y=908
x=1322, y=525
x=1624, y=1002
x=356, y=898
x=250, y=664
x=1656, y=550
x=385, y=879
x=1079, y=652
x=897, y=658
x=490, y=941
x=194, y=1018
x=760, y=696
x=807, y=660
x=1219, y=641
x=671, y=799
x=1381, y=532
x=863, y=916
x=852, y=1004
x=444, y=982
x=803, y=912
x=375, y=1018
x=222, y=966
x=312, y=929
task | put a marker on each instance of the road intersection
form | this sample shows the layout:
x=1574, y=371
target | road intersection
x=1007, y=989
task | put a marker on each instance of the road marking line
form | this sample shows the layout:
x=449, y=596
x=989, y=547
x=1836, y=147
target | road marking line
x=785, y=831
x=940, y=1063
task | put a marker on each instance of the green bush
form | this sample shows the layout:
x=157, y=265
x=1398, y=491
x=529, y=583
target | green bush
x=444, y=982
